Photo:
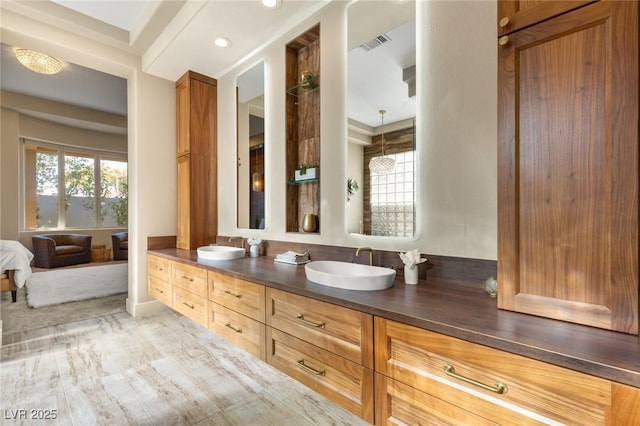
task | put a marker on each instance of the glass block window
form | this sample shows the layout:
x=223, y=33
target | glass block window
x=392, y=198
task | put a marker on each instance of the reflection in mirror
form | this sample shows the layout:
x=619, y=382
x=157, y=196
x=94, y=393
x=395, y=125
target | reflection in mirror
x=381, y=74
x=251, y=142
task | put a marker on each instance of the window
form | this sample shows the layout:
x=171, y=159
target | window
x=69, y=187
x=392, y=198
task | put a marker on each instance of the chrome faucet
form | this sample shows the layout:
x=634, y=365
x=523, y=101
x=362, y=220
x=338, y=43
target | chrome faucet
x=370, y=250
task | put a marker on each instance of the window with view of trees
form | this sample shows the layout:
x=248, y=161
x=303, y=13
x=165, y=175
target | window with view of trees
x=72, y=188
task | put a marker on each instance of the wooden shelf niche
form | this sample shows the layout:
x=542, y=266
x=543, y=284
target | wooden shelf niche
x=303, y=124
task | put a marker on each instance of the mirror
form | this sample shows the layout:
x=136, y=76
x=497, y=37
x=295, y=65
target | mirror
x=250, y=147
x=381, y=112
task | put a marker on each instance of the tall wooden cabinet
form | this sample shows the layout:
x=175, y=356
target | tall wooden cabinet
x=196, y=134
x=568, y=162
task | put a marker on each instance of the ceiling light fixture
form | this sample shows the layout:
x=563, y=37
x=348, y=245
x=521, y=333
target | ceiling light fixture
x=222, y=42
x=382, y=164
x=271, y=3
x=38, y=62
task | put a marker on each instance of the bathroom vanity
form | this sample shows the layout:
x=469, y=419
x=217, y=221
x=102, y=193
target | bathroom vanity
x=437, y=350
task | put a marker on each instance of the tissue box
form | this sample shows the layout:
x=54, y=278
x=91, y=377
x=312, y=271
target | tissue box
x=310, y=173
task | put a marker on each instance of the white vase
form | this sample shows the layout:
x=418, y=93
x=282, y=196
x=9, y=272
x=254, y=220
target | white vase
x=254, y=250
x=411, y=274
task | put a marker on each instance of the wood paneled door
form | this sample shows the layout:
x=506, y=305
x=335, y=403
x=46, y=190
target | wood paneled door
x=568, y=167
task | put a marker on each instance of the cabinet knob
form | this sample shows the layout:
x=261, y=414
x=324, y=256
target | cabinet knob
x=504, y=22
x=503, y=41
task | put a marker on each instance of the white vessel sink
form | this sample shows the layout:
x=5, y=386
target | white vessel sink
x=349, y=276
x=220, y=253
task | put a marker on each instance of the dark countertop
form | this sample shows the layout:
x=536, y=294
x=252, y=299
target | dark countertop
x=456, y=310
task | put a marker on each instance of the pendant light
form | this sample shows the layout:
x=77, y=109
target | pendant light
x=257, y=178
x=38, y=62
x=382, y=164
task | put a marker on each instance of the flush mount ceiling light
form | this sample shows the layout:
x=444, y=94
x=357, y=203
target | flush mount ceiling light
x=222, y=42
x=271, y=3
x=38, y=62
x=382, y=164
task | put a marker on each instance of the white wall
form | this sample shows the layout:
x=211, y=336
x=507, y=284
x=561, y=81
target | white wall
x=456, y=133
x=151, y=140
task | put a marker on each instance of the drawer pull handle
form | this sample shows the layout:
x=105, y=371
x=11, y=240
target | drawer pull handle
x=187, y=278
x=237, y=330
x=159, y=291
x=192, y=306
x=311, y=323
x=239, y=296
x=308, y=369
x=499, y=387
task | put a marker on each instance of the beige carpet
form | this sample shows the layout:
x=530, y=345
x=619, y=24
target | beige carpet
x=18, y=316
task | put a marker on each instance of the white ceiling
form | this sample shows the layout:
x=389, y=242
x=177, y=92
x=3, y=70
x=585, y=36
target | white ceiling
x=173, y=36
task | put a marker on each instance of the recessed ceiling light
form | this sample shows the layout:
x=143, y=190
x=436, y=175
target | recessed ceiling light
x=222, y=42
x=271, y=3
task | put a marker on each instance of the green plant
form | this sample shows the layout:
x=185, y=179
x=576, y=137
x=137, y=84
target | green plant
x=352, y=187
x=303, y=168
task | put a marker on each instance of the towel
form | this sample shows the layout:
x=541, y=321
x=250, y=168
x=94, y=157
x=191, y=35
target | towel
x=292, y=257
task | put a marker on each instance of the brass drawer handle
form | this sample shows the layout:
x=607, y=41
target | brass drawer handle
x=187, y=278
x=311, y=323
x=239, y=296
x=499, y=387
x=308, y=369
x=159, y=291
x=192, y=306
x=237, y=330
x=159, y=268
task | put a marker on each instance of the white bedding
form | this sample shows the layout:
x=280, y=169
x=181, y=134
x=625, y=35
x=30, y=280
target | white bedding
x=14, y=255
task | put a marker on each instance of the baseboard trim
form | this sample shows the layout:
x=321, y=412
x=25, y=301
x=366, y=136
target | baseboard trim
x=139, y=310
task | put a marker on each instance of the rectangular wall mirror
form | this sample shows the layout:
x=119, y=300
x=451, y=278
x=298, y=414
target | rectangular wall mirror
x=251, y=148
x=381, y=112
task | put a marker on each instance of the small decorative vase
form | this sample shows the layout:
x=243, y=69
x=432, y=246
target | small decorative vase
x=254, y=250
x=309, y=222
x=411, y=274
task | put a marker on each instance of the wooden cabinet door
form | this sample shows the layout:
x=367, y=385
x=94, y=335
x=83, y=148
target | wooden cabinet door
x=183, y=235
x=513, y=15
x=568, y=168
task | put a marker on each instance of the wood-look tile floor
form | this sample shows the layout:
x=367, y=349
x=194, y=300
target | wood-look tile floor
x=159, y=370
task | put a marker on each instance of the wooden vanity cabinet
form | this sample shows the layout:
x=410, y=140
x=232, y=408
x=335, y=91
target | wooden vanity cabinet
x=237, y=312
x=189, y=289
x=486, y=386
x=327, y=347
x=196, y=143
x=514, y=15
x=568, y=166
x=159, y=278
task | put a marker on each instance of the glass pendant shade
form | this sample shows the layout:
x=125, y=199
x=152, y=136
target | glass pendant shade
x=382, y=164
x=257, y=182
x=38, y=62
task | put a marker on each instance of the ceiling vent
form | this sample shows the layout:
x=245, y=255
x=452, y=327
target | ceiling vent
x=375, y=42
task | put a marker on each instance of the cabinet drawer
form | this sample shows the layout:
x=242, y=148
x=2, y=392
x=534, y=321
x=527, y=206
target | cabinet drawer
x=190, y=278
x=159, y=267
x=346, y=383
x=190, y=305
x=241, y=296
x=159, y=289
x=242, y=331
x=418, y=357
x=342, y=331
x=397, y=403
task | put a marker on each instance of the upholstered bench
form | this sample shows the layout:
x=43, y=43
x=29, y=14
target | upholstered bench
x=56, y=250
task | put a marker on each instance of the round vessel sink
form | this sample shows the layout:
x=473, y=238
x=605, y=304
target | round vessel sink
x=220, y=253
x=349, y=276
